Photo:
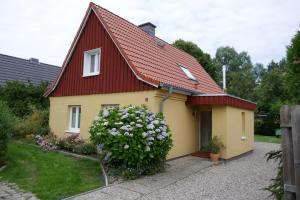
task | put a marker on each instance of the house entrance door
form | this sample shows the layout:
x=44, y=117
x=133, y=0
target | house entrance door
x=205, y=128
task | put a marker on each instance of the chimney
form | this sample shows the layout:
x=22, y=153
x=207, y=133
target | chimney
x=149, y=28
x=224, y=78
x=33, y=60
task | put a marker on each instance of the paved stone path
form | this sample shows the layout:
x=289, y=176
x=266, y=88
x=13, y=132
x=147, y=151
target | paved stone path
x=10, y=191
x=192, y=178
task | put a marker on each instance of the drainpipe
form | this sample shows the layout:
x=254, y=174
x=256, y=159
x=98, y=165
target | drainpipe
x=161, y=105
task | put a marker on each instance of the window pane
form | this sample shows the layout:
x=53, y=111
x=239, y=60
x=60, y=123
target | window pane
x=92, y=67
x=73, y=117
x=79, y=114
x=188, y=73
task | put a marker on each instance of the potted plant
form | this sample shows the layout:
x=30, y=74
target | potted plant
x=214, y=147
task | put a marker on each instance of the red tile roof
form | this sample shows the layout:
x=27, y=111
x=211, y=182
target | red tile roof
x=151, y=62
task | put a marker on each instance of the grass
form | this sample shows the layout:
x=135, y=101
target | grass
x=269, y=139
x=49, y=175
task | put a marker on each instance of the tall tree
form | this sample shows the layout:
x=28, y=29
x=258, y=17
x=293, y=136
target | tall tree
x=203, y=58
x=293, y=69
x=240, y=76
x=270, y=94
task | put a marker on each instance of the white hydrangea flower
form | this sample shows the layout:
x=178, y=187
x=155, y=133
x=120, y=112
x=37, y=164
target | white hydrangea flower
x=165, y=134
x=126, y=146
x=105, y=123
x=157, y=130
x=139, y=120
x=150, y=138
x=150, y=126
x=139, y=125
x=145, y=134
x=160, y=137
x=132, y=123
x=105, y=113
x=97, y=118
x=124, y=116
x=130, y=135
x=155, y=122
x=148, y=148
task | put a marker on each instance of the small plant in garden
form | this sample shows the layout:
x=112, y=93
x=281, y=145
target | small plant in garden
x=45, y=143
x=74, y=144
x=214, y=147
x=133, y=139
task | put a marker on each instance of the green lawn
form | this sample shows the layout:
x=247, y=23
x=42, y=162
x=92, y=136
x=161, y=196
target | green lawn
x=270, y=139
x=49, y=175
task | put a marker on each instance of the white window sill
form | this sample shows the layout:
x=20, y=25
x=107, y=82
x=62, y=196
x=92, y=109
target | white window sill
x=243, y=138
x=74, y=131
x=93, y=74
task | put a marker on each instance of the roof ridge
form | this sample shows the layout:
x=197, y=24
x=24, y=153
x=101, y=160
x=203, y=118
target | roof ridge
x=150, y=37
x=1, y=54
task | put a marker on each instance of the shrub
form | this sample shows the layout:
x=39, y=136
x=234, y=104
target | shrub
x=36, y=123
x=22, y=98
x=74, y=144
x=85, y=148
x=6, y=126
x=133, y=139
x=68, y=143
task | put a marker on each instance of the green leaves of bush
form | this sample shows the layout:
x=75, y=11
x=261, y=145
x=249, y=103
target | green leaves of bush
x=6, y=126
x=36, y=123
x=22, y=98
x=132, y=138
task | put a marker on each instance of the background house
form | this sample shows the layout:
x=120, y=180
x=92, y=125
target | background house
x=24, y=71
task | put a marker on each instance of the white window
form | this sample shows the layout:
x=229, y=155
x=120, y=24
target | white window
x=75, y=112
x=187, y=72
x=91, y=63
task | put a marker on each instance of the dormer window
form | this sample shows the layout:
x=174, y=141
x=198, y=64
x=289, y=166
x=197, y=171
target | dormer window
x=187, y=72
x=91, y=63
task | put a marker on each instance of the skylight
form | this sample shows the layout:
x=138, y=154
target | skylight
x=187, y=72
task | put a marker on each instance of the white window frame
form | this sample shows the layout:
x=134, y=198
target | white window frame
x=87, y=62
x=75, y=129
x=187, y=72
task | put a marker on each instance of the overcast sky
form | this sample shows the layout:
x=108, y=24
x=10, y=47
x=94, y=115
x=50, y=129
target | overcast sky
x=44, y=29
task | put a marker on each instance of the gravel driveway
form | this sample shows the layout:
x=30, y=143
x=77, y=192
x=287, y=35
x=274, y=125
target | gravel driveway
x=194, y=178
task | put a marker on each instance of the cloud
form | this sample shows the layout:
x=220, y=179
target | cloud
x=45, y=29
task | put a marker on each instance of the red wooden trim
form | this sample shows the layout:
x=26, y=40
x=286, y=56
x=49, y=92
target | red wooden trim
x=221, y=100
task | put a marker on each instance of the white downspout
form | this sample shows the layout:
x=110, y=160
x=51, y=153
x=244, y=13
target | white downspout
x=161, y=105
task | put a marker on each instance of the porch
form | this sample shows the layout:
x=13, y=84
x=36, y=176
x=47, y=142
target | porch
x=228, y=117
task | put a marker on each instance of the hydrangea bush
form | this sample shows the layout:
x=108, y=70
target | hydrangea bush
x=133, y=138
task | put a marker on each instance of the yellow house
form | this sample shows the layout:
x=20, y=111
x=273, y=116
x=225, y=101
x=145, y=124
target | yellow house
x=114, y=62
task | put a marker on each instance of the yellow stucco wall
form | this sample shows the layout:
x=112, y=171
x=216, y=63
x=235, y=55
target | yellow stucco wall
x=90, y=107
x=227, y=124
x=180, y=118
x=182, y=121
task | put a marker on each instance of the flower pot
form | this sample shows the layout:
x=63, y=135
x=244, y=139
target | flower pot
x=214, y=157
